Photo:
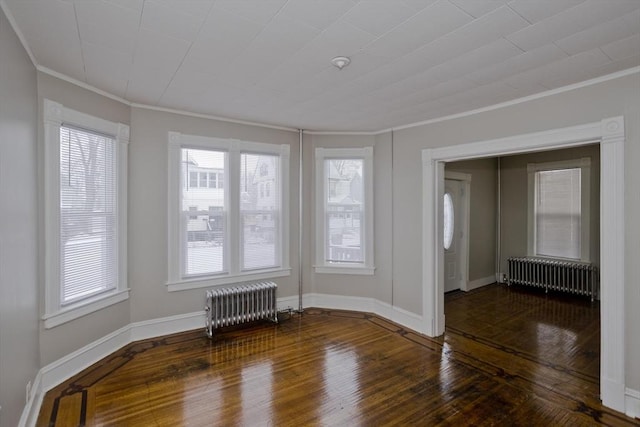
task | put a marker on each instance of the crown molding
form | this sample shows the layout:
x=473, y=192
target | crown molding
x=551, y=92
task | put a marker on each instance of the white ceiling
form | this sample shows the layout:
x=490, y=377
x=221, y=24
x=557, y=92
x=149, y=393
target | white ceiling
x=268, y=61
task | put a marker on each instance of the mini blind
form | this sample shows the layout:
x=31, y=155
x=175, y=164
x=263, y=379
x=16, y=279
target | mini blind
x=558, y=213
x=88, y=214
x=260, y=207
x=344, y=210
x=203, y=213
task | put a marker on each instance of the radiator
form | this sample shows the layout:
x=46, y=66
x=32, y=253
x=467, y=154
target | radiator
x=575, y=277
x=240, y=303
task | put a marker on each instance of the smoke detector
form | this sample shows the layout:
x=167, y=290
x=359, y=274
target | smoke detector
x=340, y=62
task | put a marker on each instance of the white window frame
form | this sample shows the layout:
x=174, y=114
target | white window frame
x=234, y=148
x=55, y=115
x=367, y=267
x=584, y=164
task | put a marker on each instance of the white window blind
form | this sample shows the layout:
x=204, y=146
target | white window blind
x=203, y=213
x=88, y=220
x=558, y=213
x=344, y=189
x=259, y=210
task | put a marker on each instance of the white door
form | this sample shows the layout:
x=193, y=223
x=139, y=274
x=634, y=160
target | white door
x=453, y=234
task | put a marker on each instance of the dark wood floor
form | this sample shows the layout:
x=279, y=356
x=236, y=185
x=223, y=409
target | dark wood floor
x=508, y=357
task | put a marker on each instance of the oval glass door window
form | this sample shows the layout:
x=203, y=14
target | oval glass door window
x=448, y=220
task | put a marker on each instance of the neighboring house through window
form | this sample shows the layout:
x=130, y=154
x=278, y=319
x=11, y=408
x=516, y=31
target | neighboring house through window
x=224, y=233
x=344, y=210
x=559, y=219
x=85, y=213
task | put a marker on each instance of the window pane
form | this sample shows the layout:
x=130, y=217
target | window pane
x=88, y=239
x=449, y=221
x=203, y=214
x=344, y=210
x=558, y=213
x=259, y=210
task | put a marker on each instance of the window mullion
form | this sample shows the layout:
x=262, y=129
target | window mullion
x=234, y=257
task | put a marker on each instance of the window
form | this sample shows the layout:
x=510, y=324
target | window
x=559, y=209
x=449, y=221
x=344, y=204
x=85, y=213
x=239, y=233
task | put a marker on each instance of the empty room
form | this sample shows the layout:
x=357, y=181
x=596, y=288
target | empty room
x=319, y=212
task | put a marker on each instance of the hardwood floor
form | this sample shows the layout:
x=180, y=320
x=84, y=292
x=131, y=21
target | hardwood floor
x=338, y=368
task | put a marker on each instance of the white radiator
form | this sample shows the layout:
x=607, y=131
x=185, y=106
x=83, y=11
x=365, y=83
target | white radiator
x=575, y=277
x=240, y=303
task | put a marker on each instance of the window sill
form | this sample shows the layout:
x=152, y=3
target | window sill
x=343, y=269
x=83, y=308
x=186, y=284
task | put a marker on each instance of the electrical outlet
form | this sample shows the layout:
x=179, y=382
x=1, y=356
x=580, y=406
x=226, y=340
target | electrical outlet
x=28, y=394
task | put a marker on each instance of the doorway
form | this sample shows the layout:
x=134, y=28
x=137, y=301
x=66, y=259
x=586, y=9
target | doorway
x=609, y=133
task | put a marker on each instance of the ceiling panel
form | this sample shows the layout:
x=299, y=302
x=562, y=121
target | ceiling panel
x=570, y=21
x=607, y=32
x=269, y=60
x=477, y=8
x=535, y=11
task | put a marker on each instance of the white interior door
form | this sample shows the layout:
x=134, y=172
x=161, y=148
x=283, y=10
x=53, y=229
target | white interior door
x=453, y=234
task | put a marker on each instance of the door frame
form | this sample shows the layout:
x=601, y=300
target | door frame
x=610, y=134
x=465, y=178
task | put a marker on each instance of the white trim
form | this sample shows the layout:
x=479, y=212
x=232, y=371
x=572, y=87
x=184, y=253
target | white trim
x=584, y=164
x=31, y=410
x=183, y=285
x=98, y=302
x=54, y=116
x=586, y=83
x=612, y=263
x=610, y=133
x=167, y=325
x=632, y=403
x=64, y=368
x=344, y=269
x=478, y=283
x=212, y=117
x=233, y=148
x=367, y=267
x=366, y=305
x=81, y=84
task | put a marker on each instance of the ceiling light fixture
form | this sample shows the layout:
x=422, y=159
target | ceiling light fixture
x=340, y=61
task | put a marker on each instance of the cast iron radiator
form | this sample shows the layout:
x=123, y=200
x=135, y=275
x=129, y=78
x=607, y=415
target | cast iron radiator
x=240, y=303
x=575, y=277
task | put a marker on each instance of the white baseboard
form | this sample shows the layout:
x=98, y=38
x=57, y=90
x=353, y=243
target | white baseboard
x=31, y=410
x=612, y=394
x=167, y=325
x=73, y=363
x=367, y=305
x=64, y=368
x=632, y=403
x=478, y=283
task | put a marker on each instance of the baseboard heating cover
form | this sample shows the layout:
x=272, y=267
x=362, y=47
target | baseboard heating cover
x=240, y=303
x=566, y=276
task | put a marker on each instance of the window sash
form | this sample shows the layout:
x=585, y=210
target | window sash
x=558, y=213
x=344, y=217
x=240, y=258
x=88, y=232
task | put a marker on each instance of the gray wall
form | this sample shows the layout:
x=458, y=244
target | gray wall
x=483, y=208
x=575, y=107
x=377, y=286
x=64, y=339
x=148, y=177
x=514, y=199
x=19, y=355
